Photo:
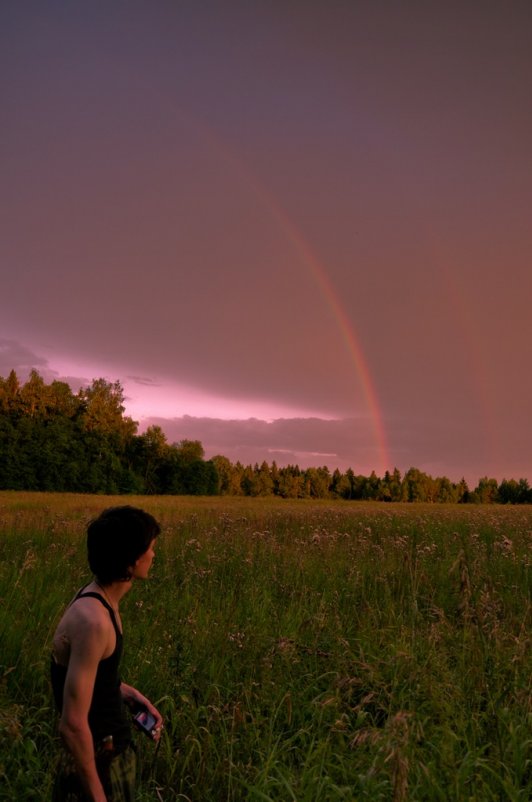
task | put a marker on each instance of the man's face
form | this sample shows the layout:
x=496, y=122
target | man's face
x=142, y=566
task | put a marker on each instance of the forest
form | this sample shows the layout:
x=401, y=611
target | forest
x=52, y=439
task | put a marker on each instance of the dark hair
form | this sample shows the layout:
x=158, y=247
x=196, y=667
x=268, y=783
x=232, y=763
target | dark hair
x=116, y=540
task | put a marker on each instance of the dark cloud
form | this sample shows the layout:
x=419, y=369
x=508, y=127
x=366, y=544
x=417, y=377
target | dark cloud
x=18, y=357
x=435, y=448
x=144, y=380
x=22, y=359
x=305, y=441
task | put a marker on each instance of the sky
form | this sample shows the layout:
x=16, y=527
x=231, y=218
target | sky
x=294, y=230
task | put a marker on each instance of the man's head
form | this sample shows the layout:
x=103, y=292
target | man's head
x=116, y=540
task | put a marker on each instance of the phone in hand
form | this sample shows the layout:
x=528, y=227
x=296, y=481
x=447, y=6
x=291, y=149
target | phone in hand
x=145, y=722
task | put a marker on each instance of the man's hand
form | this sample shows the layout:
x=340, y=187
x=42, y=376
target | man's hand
x=134, y=698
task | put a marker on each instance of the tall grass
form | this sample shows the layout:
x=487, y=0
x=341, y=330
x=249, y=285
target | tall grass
x=298, y=650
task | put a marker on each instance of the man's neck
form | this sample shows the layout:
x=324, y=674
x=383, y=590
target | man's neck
x=114, y=591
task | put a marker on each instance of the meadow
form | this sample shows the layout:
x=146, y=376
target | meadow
x=298, y=650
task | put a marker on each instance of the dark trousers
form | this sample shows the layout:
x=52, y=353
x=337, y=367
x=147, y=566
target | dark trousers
x=117, y=773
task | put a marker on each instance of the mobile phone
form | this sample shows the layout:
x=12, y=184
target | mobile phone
x=145, y=722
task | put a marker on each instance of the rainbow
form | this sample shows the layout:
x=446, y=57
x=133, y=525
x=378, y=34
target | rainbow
x=464, y=315
x=346, y=327
x=319, y=275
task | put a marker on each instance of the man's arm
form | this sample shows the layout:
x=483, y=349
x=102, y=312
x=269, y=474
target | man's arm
x=87, y=649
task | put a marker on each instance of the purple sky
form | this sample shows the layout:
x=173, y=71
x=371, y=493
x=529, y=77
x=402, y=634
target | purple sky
x=293, y=230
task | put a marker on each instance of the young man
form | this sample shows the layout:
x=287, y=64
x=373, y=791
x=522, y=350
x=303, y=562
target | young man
x=98, y=764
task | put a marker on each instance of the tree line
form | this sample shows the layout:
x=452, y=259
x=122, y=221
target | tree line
x=53, y=439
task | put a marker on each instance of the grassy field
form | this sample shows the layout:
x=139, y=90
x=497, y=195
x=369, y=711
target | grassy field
x=298, y=650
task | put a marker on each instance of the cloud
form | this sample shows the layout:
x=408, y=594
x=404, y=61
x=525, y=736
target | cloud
x=144, y=380
x=15, y=356
x=305, y=441
x=426, y=443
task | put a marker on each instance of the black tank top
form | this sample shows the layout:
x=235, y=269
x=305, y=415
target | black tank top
x=107, y=713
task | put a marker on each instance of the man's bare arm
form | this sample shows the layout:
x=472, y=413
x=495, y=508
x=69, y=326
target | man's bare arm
x=88, y=644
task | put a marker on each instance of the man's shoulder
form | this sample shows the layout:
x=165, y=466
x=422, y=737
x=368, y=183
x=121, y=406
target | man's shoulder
x=88, y=615
x=89, y=631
